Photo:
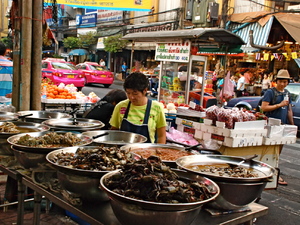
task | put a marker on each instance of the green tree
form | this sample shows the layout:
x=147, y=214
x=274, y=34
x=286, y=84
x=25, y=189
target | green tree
x=114, y=43
x=71, y=42
x=8, y=42
x=82, y=41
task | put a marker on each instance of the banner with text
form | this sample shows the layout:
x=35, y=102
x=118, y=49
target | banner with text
x=131, y=5
x=174, y=51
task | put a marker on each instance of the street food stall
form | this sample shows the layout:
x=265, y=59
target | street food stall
x=183, y=75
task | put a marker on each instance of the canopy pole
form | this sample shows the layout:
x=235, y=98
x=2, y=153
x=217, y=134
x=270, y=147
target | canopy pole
x=131, y=56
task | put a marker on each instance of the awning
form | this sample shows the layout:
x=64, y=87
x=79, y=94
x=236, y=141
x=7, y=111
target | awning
x=290, y=22
x=215, y=35
x=78, y=52
x=260, y=33
x=142, y=46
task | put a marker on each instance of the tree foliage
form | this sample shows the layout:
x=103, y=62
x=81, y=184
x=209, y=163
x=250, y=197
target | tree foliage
x=7, y=41
x=82, y=41
x=114, y=43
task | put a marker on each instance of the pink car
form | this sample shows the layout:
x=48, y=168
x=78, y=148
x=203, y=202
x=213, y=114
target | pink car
x=95, y=74
x=62, y=72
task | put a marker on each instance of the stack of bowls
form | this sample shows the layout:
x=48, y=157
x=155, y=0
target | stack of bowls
x=235, y=192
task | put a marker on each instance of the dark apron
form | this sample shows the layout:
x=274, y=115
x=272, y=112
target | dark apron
x=139, y=129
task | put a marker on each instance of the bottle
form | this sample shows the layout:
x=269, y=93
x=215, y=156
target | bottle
x=44, y=92
x=286, y=98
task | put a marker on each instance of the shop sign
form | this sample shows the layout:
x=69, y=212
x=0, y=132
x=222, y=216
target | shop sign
x=163, y=27
x=86, y=20
x=109, y=15
x=173, y=51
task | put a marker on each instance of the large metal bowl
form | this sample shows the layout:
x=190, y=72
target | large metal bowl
x=79, y=181
x=29, y=159
x=8, y=116
x=139, y=212
x=40, y=116
x=115, y=137
x=156, y=149
x=85, y=140
x=264, y=170
x=24, y=127
x=235, y=192
x=78, y=124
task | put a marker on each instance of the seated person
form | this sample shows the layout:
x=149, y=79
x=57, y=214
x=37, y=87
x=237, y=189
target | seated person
x=104, y=108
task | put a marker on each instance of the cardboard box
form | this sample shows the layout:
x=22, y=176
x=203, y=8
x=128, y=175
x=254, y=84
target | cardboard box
x=198, y=134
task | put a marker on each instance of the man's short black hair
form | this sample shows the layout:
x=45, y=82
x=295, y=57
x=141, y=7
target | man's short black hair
x=2, y=48
x=136, y=81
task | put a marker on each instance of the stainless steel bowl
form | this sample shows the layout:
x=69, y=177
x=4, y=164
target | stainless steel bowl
x=8, y=116
x=139, y=212
x=29, y=159
x=235, y=192
x=85, y=140
x=115, y=137
x=78, y=124
x=40, y=116
x=25, y=126
x=79, y=181
x=139, y=147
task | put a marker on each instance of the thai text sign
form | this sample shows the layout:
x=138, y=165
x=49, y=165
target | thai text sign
x=132, y=5
x=174, y=51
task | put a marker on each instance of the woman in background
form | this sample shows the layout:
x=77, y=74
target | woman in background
x=104, y=108
x=266, y=84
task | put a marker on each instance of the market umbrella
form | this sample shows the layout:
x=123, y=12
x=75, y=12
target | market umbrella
x=78, y=52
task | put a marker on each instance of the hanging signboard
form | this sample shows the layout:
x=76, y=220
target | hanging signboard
x=173, y=51
x=133, y=5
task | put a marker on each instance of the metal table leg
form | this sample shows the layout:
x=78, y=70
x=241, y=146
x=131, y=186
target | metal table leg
x=37, y=208
x=21, y=196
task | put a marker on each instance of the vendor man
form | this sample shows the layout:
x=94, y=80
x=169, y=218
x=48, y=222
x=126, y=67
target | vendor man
x=279, y=107
x=138, y=114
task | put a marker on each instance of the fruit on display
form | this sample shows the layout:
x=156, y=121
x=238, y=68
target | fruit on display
x=62, y=91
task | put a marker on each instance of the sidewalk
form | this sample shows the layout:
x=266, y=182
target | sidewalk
x=8, y=215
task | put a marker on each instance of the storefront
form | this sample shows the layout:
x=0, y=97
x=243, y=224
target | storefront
x=180, y=68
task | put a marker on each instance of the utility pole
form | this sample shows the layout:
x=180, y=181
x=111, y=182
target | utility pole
x=36, y=63
x=224, y=13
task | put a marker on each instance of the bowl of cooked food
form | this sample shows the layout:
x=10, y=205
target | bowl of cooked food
x=80, y=168
x=35, y=116
x=47, y=141
x=148, y=192
x=168, y=153
x=10, y=128
x=241, y=180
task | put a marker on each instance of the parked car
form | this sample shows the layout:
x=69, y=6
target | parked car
x=96, y=74
x=251, y=102
x=59, y=71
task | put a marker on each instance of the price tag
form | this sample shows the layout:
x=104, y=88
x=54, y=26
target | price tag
x=192, y=105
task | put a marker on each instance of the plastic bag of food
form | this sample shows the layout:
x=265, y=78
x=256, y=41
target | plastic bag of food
x=225, y=115
x=181, y=137
x=212, y=113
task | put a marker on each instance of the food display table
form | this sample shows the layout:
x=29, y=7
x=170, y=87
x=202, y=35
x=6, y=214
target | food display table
x=65, y=105
x=101, y=213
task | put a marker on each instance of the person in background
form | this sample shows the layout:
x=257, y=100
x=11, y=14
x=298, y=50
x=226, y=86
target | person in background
x=240, y=85
x=102, y=63
x=248, y=76
x=296, y=79
x=138, y=114
x=104, y=108
x=281, y=109
x=265, y=84
x=6, y=72
x=124, y=68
